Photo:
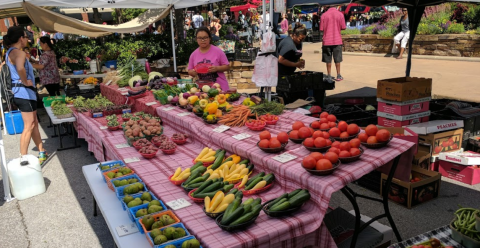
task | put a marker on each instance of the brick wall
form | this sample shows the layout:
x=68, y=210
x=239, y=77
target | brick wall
x=3, y=27
x=459, y=45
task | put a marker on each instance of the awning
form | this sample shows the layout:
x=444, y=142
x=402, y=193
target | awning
x=12, y=12
x=243, y=7
x=290, y=3
x=133, y=4
x=50, y=21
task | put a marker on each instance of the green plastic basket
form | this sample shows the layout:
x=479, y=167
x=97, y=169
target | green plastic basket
x=47, y=101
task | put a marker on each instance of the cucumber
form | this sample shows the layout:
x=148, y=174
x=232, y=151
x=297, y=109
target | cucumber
x=291, y=194
x=218, y=160
x=212, y=187
x=261, y=174
x=194, y=185
x=233, y=191
x=232, y=217
x=256, y=202
x=245, y=161
x=204, y=185
x=278, y=199
x=277, y=203
x=197, y=180
x=248, y=201
x=269, y=178
x=239, y=195
x=227, y=188
x=253, y=183
x=217, y=152
x=192, y=176
x=203, y=195
x=206, y=176
x=280, y=207
x=299, y=198
x=250, y=167
x=196, y=165
x=232, y=207
x=246, y=217
x=202, y=169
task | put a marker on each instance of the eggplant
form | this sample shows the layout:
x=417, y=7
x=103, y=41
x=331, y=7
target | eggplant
x=257, y=100
x=157, y=77
x=135, y=93
x=189, y=107
x=174, y=100
x=186, y=95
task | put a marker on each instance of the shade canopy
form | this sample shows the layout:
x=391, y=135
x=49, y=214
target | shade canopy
x=243, y=7
x=134, y=4
x=291, y=3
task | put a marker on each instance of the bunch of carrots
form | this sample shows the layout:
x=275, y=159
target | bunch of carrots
x=236, y=117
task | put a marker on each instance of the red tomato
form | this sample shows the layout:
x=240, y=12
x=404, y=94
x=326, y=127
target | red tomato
x=304, y=132
x=326, y=135
x=282, y=137
x=371, y=130
x=324, y=126
x=324, y=164
x=344, y=135
x=344, y=154
x=384, y=135
x=334, y=132
x=363, y=137
x=342, y=126
x=355, y=151
x=265, y=135
x=264, y=143
x=345, y=146
x=274, y=143
x=372, y=140
x=316, y=155
x=355, y=143
x=311, y=131
x=323, y=115
x=335, y=150
x=309, y=162
x=329, y=142
x=315, y=124
x=317, y=134
x=332, y=118
x=336, y=144
x=332, y=124
x=438, y=149
x=309, y=142
x=323, y=120
x=297, y=125
x=332, y=156
x=353, y=129
x=320, y=142
x=293, y=134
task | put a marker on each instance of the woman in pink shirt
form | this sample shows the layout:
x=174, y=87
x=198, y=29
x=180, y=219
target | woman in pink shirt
x=209, y=54
x=284, y=24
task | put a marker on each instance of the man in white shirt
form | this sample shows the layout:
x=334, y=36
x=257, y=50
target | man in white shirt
x=197, y=20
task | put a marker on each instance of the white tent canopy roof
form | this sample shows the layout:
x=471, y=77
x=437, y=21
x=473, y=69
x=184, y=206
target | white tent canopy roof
x=139, y=4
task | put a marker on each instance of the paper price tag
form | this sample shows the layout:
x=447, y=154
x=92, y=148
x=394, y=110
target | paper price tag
x=242, y=136
x=150, y=103
x=126, y=229
x=109, y=82
x=131, y=160
x=122, y=146
x=122, y=89
x=69, y=105
x=183, y=114
x=103, y=127
x=284, y=157
x=124, y=93
x=221, y=129
x=178, y=204
x=168, y=109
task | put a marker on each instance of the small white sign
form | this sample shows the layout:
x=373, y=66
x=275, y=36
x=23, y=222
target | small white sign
x=184, y=114
x=242, y=136
x=69, y=105
x=127, y=229
x=109, y=82
x=122, y=89
x=103, y=127
x=221, y=129
x=150, y=103
x=121, y=146
x=124, y=93
x=284, y=157
x=131, y=160
x=168, y=109
x=178, y=204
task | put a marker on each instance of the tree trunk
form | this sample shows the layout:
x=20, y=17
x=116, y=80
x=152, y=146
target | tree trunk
x=118, y=14
x=179, y=23
x=97, y=17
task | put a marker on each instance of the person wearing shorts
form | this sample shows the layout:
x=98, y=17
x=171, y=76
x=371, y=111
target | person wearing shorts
x=332, y=22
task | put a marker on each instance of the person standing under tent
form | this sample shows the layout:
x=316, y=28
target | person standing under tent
x=401, y=39
x=241, y=20
x=332, y=22
x=216, y=24
x=284, y=24
x=49, y=76
x=225, y=18
x=29, y=33
x=290, y=51
x=197, y=20
x=24, y=91
x=211, y=17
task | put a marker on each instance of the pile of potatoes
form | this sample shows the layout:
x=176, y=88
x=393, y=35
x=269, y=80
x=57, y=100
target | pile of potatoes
x=142, y=128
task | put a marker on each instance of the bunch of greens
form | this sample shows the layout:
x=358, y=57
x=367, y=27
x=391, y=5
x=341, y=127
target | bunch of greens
x=111, y=117
x=113, y=123
x=61, y=109
x=271, y=107
x=130, y=69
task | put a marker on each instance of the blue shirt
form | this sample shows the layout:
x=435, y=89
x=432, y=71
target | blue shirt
x=21, y=92
x=58, y=36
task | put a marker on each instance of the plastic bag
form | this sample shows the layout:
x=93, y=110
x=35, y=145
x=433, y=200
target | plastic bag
x=268, y=44
x=265, y=73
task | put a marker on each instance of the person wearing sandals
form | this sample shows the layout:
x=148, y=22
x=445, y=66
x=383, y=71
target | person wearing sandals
x=24, y=91
x=402, y=37
x=332, y=22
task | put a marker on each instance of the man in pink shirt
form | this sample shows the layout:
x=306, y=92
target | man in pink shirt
x=332, y=22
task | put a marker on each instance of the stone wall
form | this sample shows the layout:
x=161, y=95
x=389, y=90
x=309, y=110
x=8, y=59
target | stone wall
x=459, y=45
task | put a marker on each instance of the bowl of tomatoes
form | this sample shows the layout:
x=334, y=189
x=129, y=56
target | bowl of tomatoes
x=375, y=138
x=255, y=125
x=269, y=119
x=272, y=144
x=347, y=151
x=317, y=144
x=319, y=165
x=344, y=131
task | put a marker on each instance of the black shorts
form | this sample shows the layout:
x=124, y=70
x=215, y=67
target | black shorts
x=25, y=105
x=332, y=51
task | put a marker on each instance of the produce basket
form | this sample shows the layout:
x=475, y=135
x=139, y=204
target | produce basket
x=235, y=227
x=177, y=243
x=205, y=164
x=179, y=141
x=199, y=114
x=377, y=145
x=352, y=158
x=170, y=242
x=462, y=239
x=257, y=128
x=109, y=180
x=198, y=200
x=114, y=128
x=178, y=183
x=212, y=215
x=149, y=155
x=211, y=122
x=255, y=191
x=202, y=83
x=47, y=101
x=273, y=150
x=120, y=194
x=169, y=152
x=186, y=189
x=125, y=177
x=298, y=141
x=202, y=68
x=109, y=164
x=64, y=116
x=347, y=138
x=138, y=147
x=233, y=99
x=265, y=208
x=133, y=211
x=318, y=149
x=236, y=180
x=157, y=217
x=477, y=221
x=124, y=205
x=323, y=172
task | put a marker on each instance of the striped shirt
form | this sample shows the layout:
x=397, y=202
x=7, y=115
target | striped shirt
x=331, y=23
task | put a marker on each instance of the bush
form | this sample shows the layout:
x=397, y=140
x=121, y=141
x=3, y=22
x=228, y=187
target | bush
x=455, y=28
x=471, y=18
x=429, y=29
x=457, y=14
x=388, y=32
x=350, y=31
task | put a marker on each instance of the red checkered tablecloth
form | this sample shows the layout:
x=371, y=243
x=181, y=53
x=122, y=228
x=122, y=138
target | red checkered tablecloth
x=139, y=104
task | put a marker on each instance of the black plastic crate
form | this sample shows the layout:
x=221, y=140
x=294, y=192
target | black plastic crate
x=289, y=97
x=354, y=116
x=230, y=56
x=370, y=181
x=246, y=55
x=363, y=107
x=292, y=83
x=336, y=109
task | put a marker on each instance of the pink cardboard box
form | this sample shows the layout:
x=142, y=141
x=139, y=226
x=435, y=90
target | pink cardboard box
x=404, y=108
x=386, y=122
x=462, y=173
x=404, y=134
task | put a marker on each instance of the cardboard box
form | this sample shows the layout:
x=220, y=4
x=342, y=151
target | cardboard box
x=462, y=173
x=411, y=194
x=464, y=158
x=443, y=141
x=436, y=126
x=423, y=157
x=409, y=135
x=386, y=122
x=403, y=117
x=403, y=109
x=404, y=88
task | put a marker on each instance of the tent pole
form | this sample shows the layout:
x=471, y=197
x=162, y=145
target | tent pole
x=6, y=178
x=173, y=41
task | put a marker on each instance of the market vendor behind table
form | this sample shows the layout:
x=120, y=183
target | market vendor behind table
x=209, y=54
x=290, y=51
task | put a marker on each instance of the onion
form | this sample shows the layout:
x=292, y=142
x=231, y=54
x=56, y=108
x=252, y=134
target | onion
x=169, y=98
x=198, y=94
x=186, y=95
x=217, y=85
x=205, y=88
x=174, y=100
x=193, y=90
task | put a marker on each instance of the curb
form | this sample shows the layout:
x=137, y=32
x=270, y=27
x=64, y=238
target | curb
x=449, y=58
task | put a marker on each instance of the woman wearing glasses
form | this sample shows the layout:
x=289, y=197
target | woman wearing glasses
x=209, y=54
x=401, y=38
x=24, y=91
x=290, y=51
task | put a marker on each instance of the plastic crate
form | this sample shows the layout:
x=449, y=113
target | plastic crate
x=125, y=177
x=170, y=242
x=341, y=109
x=157, y=216
x=246, y=55
x=350, y=116
x=124, y=205
x=109, y=180
x=120, y=194
x=47, y=101
x=133, y=211
x=111, y=164
x=177, y=243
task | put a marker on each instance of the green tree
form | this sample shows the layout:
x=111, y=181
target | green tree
x=125, y=15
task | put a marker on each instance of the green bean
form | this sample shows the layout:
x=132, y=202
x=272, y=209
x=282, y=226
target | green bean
x=464, y=209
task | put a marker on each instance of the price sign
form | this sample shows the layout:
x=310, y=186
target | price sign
x=126, y=229
x=124, y=93
x=69, y=105
x=178, y=204
x=103, y=127
x=242, y=136
x=183, y=114
x=122, y=146
x=285, y=157
x=168, y=109
x=221, y=129
x=131, y=160
x=150, y=103
x=122, y=89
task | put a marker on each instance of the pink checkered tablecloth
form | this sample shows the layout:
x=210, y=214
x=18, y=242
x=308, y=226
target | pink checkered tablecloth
x=139, y=104
x=113, y=94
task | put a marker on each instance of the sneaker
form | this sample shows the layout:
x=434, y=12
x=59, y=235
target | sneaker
x=42, y=157
x=339, y=78
x=23, y=160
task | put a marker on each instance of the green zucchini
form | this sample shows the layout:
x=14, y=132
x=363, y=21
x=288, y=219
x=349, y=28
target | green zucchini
x=299, y=199
x=247, y=217
x=256, y=202
x=250, y=167
x=194, y=185
x=239, y=195
x=203, y=195
x=291, y=194
x=233, y=191
x=233, y=216
x=261, y=174
x=270, y=206
x=227, y=188
x=248, y=201
x=218, y=161
x=192, y=176
x=280, y=207
x=245, y=161
x=202, y=169
x=197, y=180
x=232, y=207
x=204, y=185
x=217, y=152
x=253, y=183
x=196, y=165
x=212, y=187
x=278, y=199
x=269, y=178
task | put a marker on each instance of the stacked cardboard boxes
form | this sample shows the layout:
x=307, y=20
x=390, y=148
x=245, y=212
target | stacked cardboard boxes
x=403, y=101
x=461, y=166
